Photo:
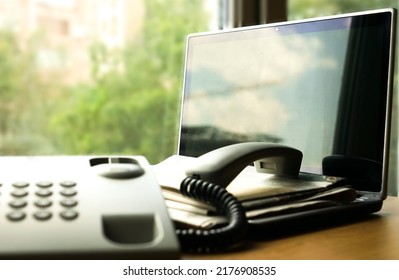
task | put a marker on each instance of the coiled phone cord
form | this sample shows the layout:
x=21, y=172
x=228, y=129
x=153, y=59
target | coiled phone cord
x=199, y=240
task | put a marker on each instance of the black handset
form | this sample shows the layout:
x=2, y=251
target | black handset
x=212, y=172
x=222, y=165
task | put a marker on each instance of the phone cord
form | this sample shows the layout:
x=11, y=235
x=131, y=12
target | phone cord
x=215, y=239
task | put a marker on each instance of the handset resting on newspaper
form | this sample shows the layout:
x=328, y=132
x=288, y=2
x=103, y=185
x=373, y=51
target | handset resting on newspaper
x=222, y=165
x=208, y=177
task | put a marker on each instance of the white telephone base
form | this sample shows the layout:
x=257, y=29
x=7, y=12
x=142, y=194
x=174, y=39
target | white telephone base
x=78, y=207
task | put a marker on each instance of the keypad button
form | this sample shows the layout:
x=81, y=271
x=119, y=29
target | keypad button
x=18, y=203
x=16, y=216
x=68, y=192
x=19, y=193
x=42, y=215
x=69, y=202
x=44, y=192
x=69, y=214
x=20, y=184
x=68, y=184
x=42, y=203
x=44, y=184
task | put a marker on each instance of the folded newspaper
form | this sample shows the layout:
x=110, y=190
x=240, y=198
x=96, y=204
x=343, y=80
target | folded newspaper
x=261, y=194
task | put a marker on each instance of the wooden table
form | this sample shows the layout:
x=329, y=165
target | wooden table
x=373, y=238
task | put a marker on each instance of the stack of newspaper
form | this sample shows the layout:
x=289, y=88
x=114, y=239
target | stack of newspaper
x=261, y=194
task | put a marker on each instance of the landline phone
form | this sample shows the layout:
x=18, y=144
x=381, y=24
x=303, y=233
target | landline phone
x=112, y=206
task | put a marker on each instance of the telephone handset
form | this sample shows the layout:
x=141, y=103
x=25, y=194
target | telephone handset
x=209, y=176
x=222, y=165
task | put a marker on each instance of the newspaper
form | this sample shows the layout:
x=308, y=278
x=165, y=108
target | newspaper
x=261, y=194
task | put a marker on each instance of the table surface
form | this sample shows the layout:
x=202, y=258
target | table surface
x=375, y=238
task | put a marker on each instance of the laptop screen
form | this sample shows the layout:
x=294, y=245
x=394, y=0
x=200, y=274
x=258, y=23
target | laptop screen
x=321, y=86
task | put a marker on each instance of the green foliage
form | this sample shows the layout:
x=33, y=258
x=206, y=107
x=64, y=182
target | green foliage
x=133, y=107
x=19, y=82
x=314, y=8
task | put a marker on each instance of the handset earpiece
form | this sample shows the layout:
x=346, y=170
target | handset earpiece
x=222, y=165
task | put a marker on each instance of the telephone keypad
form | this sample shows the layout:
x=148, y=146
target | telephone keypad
x=43, y=200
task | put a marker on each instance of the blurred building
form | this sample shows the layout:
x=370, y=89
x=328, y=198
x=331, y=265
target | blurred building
x=63, y=31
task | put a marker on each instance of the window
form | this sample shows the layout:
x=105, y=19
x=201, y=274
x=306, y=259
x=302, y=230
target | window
x=68, y=89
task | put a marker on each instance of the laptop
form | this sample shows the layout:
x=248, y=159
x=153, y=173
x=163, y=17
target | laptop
x=323, y=86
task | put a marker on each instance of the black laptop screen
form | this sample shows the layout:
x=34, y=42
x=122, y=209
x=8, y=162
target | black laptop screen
x=319, y=86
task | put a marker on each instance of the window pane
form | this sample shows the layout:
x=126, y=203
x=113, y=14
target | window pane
x=93, y=77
